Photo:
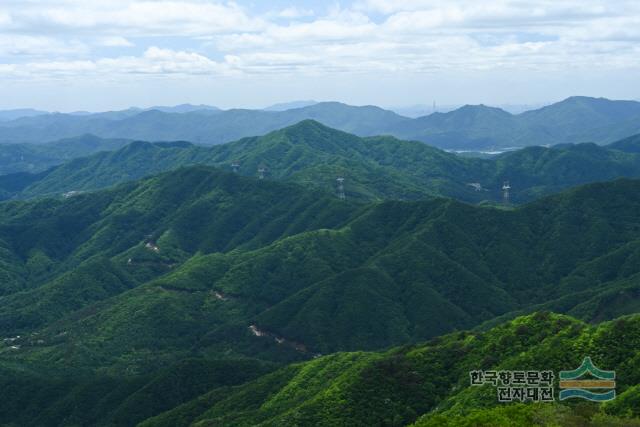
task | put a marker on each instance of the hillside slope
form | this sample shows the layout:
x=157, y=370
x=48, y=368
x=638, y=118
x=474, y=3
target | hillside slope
x=305, y=276
x=429, y=383
x=115, y=287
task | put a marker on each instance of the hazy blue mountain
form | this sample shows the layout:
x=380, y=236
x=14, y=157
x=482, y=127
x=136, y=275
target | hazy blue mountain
x=183, y=108
x=574, y=120
x=7, y=115
x=583, y=119
x=284, y=106
x=469, y=127
x=581, y=112
x=420, y=110
x=204, y=126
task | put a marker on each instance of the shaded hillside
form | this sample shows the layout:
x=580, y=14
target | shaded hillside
x=134, y=161
x=628, y=145
x=39, y=396
x=49, y=237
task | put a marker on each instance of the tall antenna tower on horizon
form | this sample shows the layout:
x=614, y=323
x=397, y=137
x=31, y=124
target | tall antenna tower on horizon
x=505, y=192
x=341, y=194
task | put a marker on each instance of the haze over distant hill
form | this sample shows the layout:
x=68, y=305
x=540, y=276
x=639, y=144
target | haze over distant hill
x=37, y=158
x=284, y=106
x=7, y=115
x=574, y=120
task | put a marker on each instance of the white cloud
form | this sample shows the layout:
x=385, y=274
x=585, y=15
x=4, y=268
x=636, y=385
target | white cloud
x=497, y=8
x=132, y=17
x=114, y=41
x=295, y=12
x=154, y=61
x=5, y=19
x=18, y=45
x=340, y=27
x=182, y=37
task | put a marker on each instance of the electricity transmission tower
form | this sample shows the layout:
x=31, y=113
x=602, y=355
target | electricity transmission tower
x=505, y=192
x=341, y=194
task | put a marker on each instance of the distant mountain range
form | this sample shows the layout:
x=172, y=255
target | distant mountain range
x=420, y=110
x=7, y=115
x=284, y=106
x=574, y=120
x=313, y=155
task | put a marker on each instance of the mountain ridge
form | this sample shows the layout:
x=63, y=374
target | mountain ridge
x=574, y=120
x=374, y=168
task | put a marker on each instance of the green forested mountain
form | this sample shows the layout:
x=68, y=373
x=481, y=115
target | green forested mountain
x=489, y=262
x=420, y=385
x=134, y=161
x=574, y=120
x=17, y=158
x=374, y=168
x=39, y=396
x=428, y=384
x=113, y=290
x=423, y=268
x=629, y=145
x=308, y=153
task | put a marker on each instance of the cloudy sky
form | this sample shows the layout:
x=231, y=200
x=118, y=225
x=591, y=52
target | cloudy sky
x=97, y=55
